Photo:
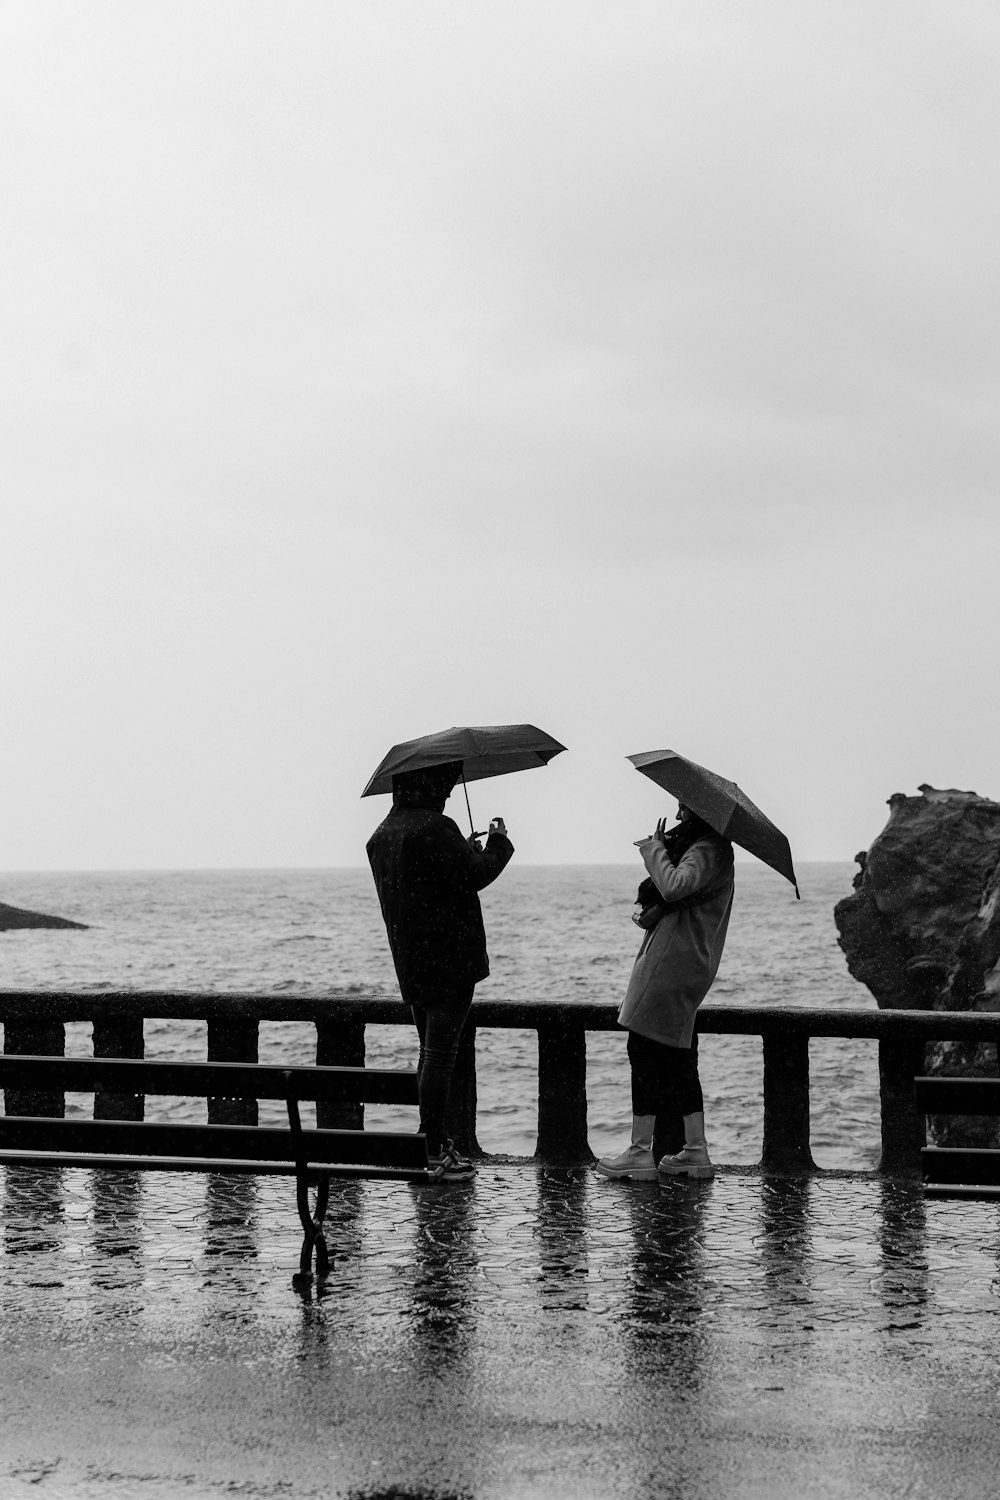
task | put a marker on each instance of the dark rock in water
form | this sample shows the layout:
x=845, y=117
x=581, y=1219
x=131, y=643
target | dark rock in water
x=922, y=929
x=920, y=886
x=14, y=916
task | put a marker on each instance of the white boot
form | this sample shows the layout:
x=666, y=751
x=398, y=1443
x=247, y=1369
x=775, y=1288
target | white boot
x=693, y=1160
x=636, y=1162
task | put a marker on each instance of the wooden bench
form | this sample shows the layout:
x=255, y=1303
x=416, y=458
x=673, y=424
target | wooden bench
x=959, y=1171
x=312, y=1157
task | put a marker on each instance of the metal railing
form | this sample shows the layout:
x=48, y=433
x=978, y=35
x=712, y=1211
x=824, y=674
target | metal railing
x=34, y=1023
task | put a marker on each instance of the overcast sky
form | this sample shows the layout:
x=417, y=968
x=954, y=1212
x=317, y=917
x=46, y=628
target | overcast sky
x=368, y=367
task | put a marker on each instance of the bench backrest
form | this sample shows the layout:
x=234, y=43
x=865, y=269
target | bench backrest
x=957, y=1096
x=236, y=1143
x=229, y=1080
x=951, y=1171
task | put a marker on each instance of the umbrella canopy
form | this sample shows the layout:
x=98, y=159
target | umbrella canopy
x=484, y=750
x=721, y=804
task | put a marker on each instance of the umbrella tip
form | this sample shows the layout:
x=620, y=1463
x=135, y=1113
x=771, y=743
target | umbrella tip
x=797, y=896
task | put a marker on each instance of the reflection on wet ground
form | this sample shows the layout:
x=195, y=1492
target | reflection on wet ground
x=527, y=1334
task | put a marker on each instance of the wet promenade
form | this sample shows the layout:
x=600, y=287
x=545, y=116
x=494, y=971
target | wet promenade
x=527, y=1335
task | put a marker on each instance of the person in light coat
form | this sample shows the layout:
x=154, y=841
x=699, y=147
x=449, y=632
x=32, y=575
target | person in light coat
x=686, y=902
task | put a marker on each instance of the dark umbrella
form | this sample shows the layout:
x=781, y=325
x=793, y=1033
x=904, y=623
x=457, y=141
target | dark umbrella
x=484, y=750
x=721, y=804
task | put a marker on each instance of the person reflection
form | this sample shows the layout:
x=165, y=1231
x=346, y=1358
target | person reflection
x=665, y=1358
x=666, y=1279
x=439, y=1284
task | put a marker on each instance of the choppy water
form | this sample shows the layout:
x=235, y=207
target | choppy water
x=555, y=932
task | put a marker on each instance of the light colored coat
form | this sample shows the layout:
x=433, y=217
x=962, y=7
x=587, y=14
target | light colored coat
x=679, y=957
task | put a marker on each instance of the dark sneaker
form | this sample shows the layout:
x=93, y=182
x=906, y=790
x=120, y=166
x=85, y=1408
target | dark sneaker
x=460, y=1161
x=450, y=1166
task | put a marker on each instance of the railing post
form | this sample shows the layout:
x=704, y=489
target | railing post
x=562, y=1094
x=35, y=1039
x=340, y=1043
x=118, y=1036
x=786, y=1104
x=460, y=1121
x=904, y=1131
x=232, y=1039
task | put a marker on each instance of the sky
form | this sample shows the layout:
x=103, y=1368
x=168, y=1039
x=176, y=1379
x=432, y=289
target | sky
x=629, y=369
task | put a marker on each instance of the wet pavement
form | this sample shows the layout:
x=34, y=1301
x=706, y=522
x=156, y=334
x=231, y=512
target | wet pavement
x=526, y=1335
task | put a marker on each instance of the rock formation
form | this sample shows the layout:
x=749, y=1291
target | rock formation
x=12, y=917
x=922, y=929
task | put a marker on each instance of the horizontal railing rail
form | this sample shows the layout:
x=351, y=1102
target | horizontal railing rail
x=34, y=1023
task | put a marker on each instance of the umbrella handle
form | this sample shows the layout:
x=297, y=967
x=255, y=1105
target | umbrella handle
x=465, y=789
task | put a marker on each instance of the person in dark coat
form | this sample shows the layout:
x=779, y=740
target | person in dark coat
x=428, y=878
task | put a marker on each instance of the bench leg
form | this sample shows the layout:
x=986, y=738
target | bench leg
x=313, y=1238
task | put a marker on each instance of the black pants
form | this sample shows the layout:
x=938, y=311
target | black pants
x=665, y=1083
x=439, y=1017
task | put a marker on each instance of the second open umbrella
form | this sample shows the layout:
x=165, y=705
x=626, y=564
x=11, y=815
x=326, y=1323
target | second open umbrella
x=721, y=804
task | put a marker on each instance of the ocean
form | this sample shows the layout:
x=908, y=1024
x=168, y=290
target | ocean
x=555, y=932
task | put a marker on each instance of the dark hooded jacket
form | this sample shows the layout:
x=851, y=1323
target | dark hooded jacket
x=428, y=880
